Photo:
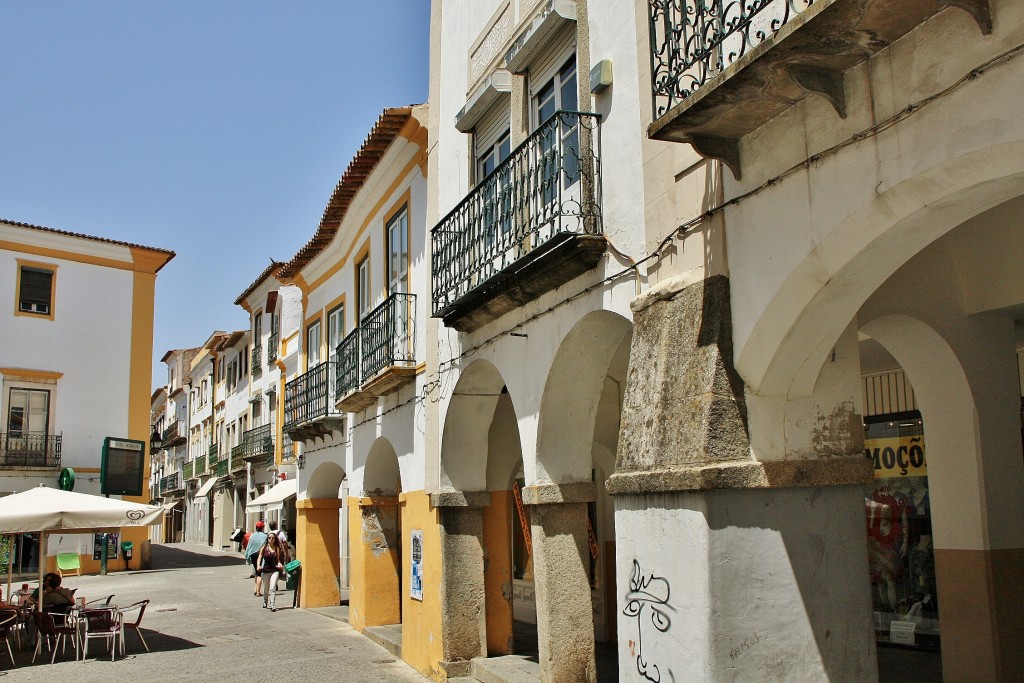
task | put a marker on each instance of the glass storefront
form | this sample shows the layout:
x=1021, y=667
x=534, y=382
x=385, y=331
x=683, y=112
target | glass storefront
x=898, y=512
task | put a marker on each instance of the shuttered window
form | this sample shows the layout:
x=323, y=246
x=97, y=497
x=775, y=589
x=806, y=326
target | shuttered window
x=36, y=290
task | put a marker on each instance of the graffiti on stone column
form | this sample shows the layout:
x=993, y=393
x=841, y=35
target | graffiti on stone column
x=648, y=594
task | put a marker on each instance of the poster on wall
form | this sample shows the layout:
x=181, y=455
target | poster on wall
x=68, y=543
x=112, y=546
x=416, y=585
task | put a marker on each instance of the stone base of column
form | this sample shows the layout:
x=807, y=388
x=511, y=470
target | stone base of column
x=462, y=590
x=565, y=620
x=733, y=584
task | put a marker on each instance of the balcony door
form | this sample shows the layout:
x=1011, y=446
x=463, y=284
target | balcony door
x=335, y=331
x=559, y=140
x=313, y=345
x=399, y=335
x=28, y=415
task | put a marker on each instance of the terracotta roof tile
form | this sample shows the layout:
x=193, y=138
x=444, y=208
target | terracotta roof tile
x=42, y=228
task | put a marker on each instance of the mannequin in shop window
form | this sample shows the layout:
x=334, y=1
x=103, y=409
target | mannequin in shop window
x=888, y=536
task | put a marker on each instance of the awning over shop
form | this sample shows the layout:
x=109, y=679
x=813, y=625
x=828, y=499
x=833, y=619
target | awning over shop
x=170, y=506
x=274, y=498
x=205, y=489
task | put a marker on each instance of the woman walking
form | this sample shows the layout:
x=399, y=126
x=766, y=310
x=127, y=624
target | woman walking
x=270, y=564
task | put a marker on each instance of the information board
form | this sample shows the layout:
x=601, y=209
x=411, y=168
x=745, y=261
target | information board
x=122, y=465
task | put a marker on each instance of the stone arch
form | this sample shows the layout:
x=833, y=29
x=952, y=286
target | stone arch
x=464, y=441
x=325, y=481
x=382, y=475
x=572, y=394
x=785, y=348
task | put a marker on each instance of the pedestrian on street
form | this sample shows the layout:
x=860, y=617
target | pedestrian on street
x=252, y=551
x=272, y=558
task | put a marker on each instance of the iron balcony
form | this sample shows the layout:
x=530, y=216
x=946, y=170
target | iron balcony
x=19, y=449
x=272, y=344
x=309, y=410
x=237, y=458
x=174, y=434
x=256, y=364
x=528, y=227
x=721, y=69
x=257, y=445
x=379, y=355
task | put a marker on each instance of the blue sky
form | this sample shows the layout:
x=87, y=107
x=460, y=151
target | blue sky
x=215, y=129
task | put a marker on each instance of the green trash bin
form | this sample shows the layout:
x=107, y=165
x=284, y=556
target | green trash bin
x=126, y=552
x=294, y=571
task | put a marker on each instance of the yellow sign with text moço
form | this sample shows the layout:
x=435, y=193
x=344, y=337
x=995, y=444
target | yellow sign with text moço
x=901, y=456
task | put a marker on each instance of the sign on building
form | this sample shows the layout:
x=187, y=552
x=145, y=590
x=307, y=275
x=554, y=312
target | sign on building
x=121, y=467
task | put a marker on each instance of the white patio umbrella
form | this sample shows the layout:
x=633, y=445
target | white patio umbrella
x=43, y=509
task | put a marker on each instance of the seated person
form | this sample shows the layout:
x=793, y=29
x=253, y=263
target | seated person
x=55, y=597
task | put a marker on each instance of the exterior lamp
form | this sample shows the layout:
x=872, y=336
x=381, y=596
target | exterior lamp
x=300, y=460
x=155, y=440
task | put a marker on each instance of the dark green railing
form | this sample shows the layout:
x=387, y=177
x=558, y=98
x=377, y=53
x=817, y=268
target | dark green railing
x=222, y=467
x=310, y=396
x=200, y=466
x=172, y=482
x=548, y=186
x=21, y=449
x=188, y=471
x=237, y=459
x=256, y=366
x=389, y=335
x=272, y=344
x=346, y=370
x=173, y=432
x=257, y=441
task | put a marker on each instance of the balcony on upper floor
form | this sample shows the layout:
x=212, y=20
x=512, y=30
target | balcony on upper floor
x=272, y=343
x=26, y=449
x=174, y=434
x=309, y=411
x=720, y=69
x=530, y=226
x=257, y=447
x=237, y=459
x=379, y=356
x=256, y=362
x=170, y=485
x=188, y=471
x=212, y=456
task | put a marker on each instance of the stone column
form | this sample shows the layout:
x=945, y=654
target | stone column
x=731, y=568
x=565, y=618
x=463, y=611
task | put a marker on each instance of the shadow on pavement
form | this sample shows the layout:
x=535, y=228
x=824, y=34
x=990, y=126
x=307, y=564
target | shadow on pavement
x=158, y=642
x=166, y=556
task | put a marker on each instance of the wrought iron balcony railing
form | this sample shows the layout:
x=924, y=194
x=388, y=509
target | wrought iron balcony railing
x=256, y=366
x=172, y=482
x=200, y=466
x=692, y=41
x=273, y=341
x=547, y=187
x=173, y=433
x=222, y=468
x=237, y=458
x=21, y=449
x=347, y=376
x=389, y=335
x=310, y=396
x=188, y=471
x=257, y=441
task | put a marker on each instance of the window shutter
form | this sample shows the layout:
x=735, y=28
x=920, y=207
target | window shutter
x=35, y=289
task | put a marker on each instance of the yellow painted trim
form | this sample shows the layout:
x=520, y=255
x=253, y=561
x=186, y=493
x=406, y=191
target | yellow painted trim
x=141, y=359
x=318, y=503
x=28, y=375
x=53, y=289
x=379, y=501
x=421, y=368
x=64, y=255
x=146, y=261
x=370, y=217
x=304, y=287
x=246, y=307
x=279, y=427
x=88, y=470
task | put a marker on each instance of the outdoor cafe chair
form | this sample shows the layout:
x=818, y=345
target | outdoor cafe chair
x=57, y=626
x=105, y=602
x=133, y=625
x=8, y=622
x=103, y=623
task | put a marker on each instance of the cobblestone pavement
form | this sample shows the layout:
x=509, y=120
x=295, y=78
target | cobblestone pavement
x=204, y=624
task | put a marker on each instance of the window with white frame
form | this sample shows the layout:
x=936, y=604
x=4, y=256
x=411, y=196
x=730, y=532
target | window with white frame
x=335, y=331
x=313, y=345
x=28, y=412
x=398, y=252
x=363, y=287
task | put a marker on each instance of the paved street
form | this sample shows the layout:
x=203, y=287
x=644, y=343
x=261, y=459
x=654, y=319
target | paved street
x=204, y=624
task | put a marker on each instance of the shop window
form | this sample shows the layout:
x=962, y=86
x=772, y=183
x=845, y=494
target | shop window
x=900, y=548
